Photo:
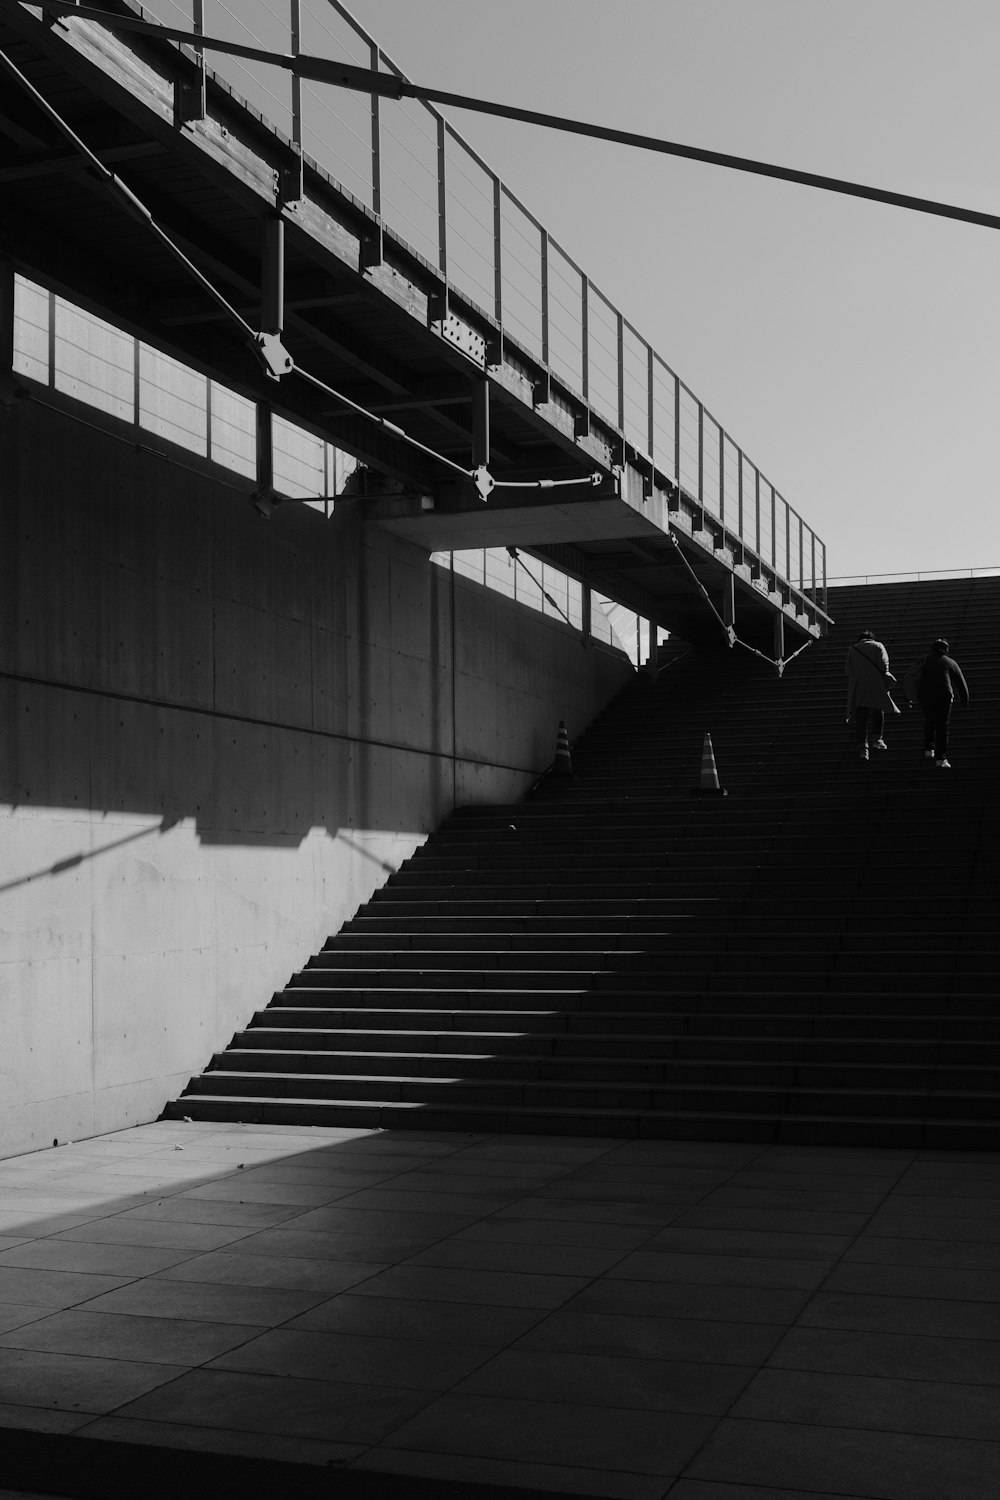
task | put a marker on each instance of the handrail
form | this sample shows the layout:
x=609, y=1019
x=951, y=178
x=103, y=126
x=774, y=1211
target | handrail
x=917, y=577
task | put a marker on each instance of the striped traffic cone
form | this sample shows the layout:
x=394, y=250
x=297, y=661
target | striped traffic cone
x=562, y=765
x=708, y=785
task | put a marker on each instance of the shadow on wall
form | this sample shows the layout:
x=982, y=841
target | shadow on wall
x=62, y=866
x=166, y=825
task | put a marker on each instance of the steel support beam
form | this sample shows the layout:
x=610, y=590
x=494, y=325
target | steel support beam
x=729, y=606
x=480, y=422
x=272, y=292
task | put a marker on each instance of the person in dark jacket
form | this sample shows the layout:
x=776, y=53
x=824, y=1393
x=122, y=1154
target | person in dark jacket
x=941, y=682
x=868, y=696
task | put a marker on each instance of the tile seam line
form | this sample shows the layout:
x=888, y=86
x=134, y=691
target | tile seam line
x=795, y=1322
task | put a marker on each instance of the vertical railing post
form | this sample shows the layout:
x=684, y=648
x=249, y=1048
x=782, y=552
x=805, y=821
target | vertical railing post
x=621, y=373
x=802, y=551
x=376, y=140
x=774, y=527
x=812, y=570
x=442, y=201
x=189, y=102
x=295, y=47
x=651, y=403
x=544, y=294
x=722, y=477
x=677, y=435
x=756, y=510
x=584, y=338
x=739, y=492
x=497, y=252
x=788, y=541
x=701, y=462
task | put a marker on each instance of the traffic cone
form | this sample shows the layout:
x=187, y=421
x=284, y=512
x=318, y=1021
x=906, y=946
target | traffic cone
x=709, y=783
x=562, y=765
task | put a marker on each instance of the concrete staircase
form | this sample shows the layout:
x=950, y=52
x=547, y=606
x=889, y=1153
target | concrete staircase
x=812, y=958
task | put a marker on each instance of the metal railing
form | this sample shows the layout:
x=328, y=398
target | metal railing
x=407, y=164
x=923, y=576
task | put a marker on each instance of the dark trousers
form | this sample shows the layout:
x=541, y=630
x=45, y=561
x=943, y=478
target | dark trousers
x=868, y=725
x=937, y=712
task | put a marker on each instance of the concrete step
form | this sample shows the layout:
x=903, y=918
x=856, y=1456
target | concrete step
x=675, y=1072
x=899, y=1133
x=752, y=1098
x=318, y=1051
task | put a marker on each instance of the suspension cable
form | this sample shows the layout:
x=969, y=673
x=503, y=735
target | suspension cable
x=134, y=205
x=382, y=422
x=519, y=561
x=779, y=663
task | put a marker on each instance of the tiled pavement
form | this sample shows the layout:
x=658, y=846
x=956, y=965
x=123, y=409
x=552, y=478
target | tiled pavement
x=630, y=1319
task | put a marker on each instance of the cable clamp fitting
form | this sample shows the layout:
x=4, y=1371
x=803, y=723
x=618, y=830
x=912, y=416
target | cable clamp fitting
x=484, y=481
x=273, y=355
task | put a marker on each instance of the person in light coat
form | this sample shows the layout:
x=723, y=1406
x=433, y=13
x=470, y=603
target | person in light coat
x=868, y=696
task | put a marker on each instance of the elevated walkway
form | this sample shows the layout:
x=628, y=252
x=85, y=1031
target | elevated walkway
x=408, y=307
x=811, y=959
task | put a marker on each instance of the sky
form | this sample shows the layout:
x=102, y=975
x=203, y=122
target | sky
x=852, y=349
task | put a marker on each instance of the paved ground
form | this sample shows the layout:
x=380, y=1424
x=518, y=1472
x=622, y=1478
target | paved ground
x=638, y=1320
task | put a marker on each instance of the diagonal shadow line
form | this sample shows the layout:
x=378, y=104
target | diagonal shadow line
x=61, y=866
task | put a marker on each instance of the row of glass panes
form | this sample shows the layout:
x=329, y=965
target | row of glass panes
x=62, y=346
x=89, y=359
x=545, y=588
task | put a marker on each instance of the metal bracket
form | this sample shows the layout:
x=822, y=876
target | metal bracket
x=190, y=103
x=273, y=355
x=371, y=248
x=581, y=424
x=454, y=330
x=484, y=481
x=541, y=389
x=291, y=180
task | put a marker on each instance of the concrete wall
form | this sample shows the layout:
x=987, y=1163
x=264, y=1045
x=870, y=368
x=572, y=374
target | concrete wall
x=217, y=736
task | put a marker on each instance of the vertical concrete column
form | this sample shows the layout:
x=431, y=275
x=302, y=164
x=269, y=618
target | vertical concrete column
x=263, y=495
x=6, y=331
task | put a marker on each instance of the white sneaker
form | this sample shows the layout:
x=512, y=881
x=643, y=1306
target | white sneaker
x=928, y=755
x=943, y=765
x=863, y=752
x=879, y=745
